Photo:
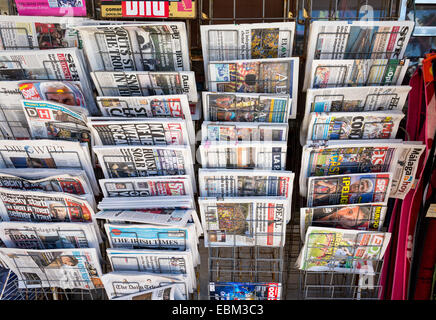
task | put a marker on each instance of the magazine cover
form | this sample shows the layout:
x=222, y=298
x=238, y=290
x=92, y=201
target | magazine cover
x=145, y=83
x=136, y=47
x=274, y=76
x=247, y=107
x=243, y=155
x=366, y=216
x=243, y=131
x=245, y=291
x=59, y=268
x=354, y=125
x=341, y=250
x=355, y=73
x=348, y=189
x=244, y=221
x=57, y=8
x=160, y=293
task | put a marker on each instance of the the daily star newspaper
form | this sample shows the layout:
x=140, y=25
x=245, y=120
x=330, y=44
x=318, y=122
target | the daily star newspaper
x=145, y=83
x=161, y=293
x=75, y=8
x=357, y=40
x=244, y=155
x=354, y=125
x=352, y=99
x=243, y=131
x=245, y=291
x=348, y=189
x=244, y=221
x=355, y=73
x=136, y=47
x=274, y=76
x=341, y=250
x=44, y=154
x=247, y=107
x=57, y=268
x=363, y=216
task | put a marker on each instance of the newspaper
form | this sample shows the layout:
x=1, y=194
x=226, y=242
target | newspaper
x=244, y=155
x=366, y=216
x=352, y=73
x=354, y=125
x=245, y=291
x=51, y=7
x=341, y=250
x=244, y=221
x=247, y=107
x=122, y=284
x=348, y=189
x=57, y=268
x=357, y=40
x=243, y=131
x=353, y=99
x=274, y=76
x=161, y=293
x=145, y=83
x=136, y=47
x=133, y=203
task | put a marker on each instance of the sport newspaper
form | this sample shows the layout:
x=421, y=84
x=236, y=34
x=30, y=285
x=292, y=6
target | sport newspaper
x=354, y=125
x=243, y=131
x=55, y=268
x=160, y=293
x=270, y=76
x=357, y=40
x=245, y=290
x=145, y=83
x=341, y=250
x=361, y=216
x=352, y=99
x=136, y=47
x=244, y=221
x=356, y=73
x=246, y=107
x=243, y=155
x=348, y=189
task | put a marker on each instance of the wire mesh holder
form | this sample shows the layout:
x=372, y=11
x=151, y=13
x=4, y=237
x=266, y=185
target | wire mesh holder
x=10, y=290
x=12, y=129
x=16, y=30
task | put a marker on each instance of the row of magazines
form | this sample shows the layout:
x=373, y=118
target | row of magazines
x=352, y=162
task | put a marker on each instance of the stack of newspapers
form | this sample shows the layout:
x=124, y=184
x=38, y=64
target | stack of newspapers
x=352, y=163
x=144, y=143
x=245, y=192
x=48, y=231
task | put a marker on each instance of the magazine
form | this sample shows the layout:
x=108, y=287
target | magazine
x=354, y=125
x=244, y=221
x=361, y=216
x=75, y=8
x=160, y=293
x=247, y=107
x=145, y=83
x=341, y=250
x=348, y=189
x=243, y=131
x=58, y=268
x=243, y=155
x=245, y=291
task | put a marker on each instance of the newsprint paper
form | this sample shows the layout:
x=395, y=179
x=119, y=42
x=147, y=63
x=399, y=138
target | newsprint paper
x=170, y=292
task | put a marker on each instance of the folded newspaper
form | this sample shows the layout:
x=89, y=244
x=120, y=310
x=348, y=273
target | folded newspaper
x=170, y=292
x=341, y=250
x=245, y=291
x=159, y=202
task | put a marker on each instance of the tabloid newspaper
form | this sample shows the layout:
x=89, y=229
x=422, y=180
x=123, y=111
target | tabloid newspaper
x=358, y=72
x=357, y=40
x=245, y=291
x=246, y=41
x=51, y=7
x=354, y=125
x=348, y=189
x=247, y=107
x=136, y=47
x=58, y=268
x=161, y=293
x=65, y=64
x=244, y=155
x=274, y=76
x=352, y=99
x=145, y=83
x=362, y=216
x=45, y=154
x=121, y=284
x=244, y=221
x=133, y=203
x=341, y=250
x=243, y=131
